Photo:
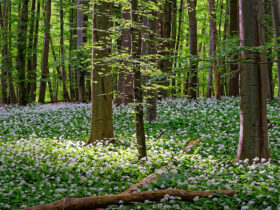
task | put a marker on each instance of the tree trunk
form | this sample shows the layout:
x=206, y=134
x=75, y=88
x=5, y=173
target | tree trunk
x=179, y=34
x=5, y=52
x=173, y=44
x=80, y=71
x=30, y=51
x=166, y=63
x=45, y=59
x=72, y=46
x=275, y=7
x=22, y=34
x=101, y=79
x=125, y=92
x=149, y=50
x=213, y=38
x=61, y=14
x=34, y=55
x=233, y=86
x=193, y=48
x=136, y=52
x=253, y=139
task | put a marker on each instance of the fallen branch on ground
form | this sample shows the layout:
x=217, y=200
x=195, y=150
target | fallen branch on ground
x=124, y=199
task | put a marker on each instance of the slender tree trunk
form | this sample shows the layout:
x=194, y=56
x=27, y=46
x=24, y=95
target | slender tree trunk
x=125, y=91
x=22, y=35
x=253, y=139
x=45, y=59
x=193, y=48
x=72, y=46
x=233, y=86
x=179, y=34
x=275, y=7
x=101, y=78
x=166, y=63
x=34, y=55
x=173, y=44
x=62, y=54
x=5, y=52
x=213, y=38
x=136, y=52
x=30, y=51
x=80, y=71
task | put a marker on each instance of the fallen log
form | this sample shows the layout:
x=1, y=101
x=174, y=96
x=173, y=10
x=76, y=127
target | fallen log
x=147, y=180
x=102, y=201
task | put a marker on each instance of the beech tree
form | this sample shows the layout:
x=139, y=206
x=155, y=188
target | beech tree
x=22, y=36
x=136, y=52
x=253, y=139
x=193, y=48
x=101, y=78
x=45, y=57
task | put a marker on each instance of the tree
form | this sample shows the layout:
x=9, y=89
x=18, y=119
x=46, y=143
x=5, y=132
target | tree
x=166, y=63
x=80, y=71
x=125, y=92
x=253, y=139
x=45, y=59
x=101, y=79
x=21, y=42
x=193, y=48
x=212, y=50
x=233, y=86
x=136, y=52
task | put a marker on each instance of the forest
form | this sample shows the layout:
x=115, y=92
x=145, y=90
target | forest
x=139, y=104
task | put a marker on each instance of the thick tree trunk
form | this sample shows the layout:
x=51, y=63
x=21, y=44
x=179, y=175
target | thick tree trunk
x=61, y=14
x=213, y=38
x=125, y=91
x=193, y=49
x=253, y=139
x=136, y=52
x=45, y=59
x=233, y=86
x=22, y=34
x=275, y=7
x=101, y=79
x=103, y=201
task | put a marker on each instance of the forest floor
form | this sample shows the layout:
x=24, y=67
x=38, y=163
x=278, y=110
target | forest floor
x=43, y=156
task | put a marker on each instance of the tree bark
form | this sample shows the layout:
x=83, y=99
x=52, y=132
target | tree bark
x=5, y=52
x=193, y=49
x=213, y=42
x=233, y=86
x=136, y=52
x=253, y=139
x=125, y=91
x=101, y=79
x=30, y=52
x=22, y=36
x=166, y=63
x=94, y=202
x=72, y=46
x=45, y=59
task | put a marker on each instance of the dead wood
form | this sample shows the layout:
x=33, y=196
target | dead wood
x=70, y=203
